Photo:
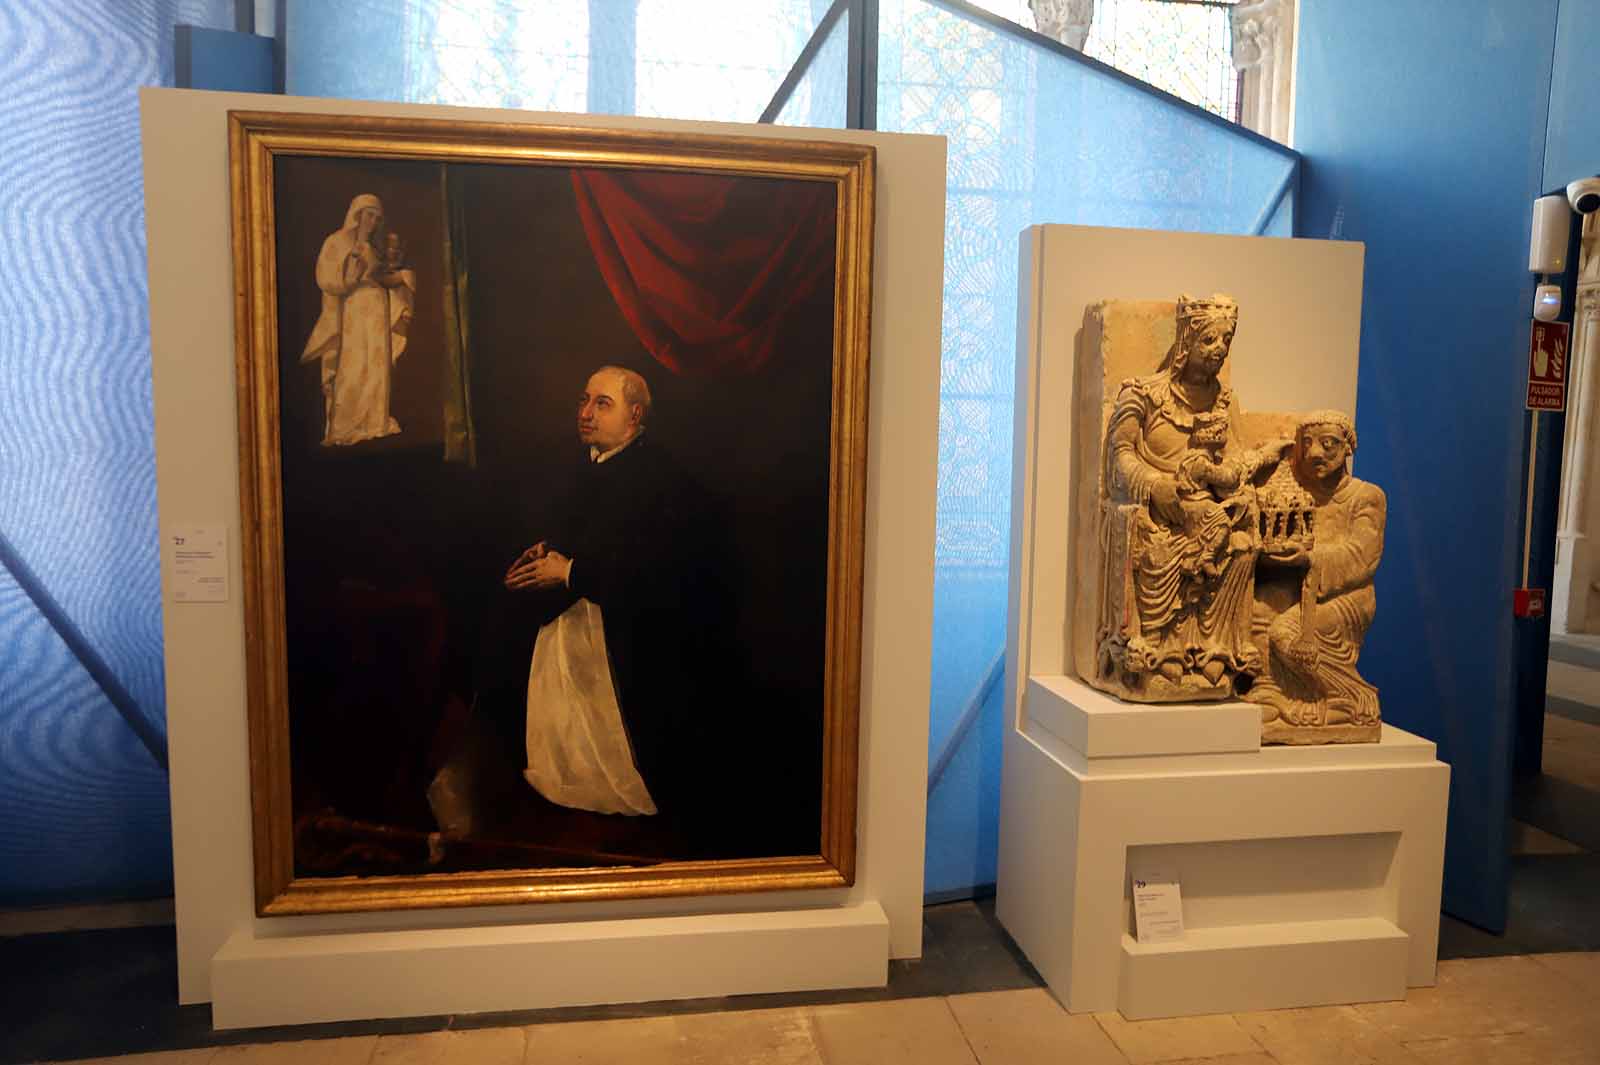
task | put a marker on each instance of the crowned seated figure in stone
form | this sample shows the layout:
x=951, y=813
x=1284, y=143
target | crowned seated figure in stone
x=1178, y=527
x=1322, y=538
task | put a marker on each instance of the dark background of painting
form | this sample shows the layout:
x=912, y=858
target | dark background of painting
x=393, y=557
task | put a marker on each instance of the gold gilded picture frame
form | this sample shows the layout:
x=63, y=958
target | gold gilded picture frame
x=553, y=489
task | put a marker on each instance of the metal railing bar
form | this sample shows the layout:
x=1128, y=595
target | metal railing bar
x=1264, y=219
x=802, y=63
x=120, y=698
x=1004, y=25
x=861, y=87
x=968, y=718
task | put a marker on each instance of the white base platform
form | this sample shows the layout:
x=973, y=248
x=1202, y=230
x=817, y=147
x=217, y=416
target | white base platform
x=304, y=979
x=1310, y=875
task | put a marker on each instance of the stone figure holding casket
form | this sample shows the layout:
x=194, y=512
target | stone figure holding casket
x=1314, y=593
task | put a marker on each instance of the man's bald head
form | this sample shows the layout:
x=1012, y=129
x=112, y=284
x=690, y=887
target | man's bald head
x=635, y=389
x=613, y=407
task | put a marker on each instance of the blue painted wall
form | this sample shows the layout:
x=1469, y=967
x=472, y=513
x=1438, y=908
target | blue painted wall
x=1573, y=146
x=1428, y=145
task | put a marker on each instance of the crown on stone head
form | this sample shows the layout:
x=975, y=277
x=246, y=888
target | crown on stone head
x=1202, y=309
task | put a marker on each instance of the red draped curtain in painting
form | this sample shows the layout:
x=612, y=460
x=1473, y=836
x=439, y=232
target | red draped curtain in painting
x=709, y=269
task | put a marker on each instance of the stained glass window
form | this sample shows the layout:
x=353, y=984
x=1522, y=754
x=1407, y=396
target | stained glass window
x=634, y=57
x=527, y=55
x=1181, y=46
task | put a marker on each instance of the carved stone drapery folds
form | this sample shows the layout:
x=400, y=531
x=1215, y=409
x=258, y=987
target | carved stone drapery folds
x=1221, y=553
x=1067, y=21
x=1573, y=598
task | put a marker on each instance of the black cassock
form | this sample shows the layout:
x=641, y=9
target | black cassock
x=628, y=524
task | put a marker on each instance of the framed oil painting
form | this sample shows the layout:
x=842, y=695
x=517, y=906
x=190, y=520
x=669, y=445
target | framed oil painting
x=553, y=469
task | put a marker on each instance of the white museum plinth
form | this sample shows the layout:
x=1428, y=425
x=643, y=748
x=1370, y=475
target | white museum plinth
x=1309, y=875
x=298, y=969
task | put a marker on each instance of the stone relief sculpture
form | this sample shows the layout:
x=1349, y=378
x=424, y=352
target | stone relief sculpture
x=1220, y=554
x=1314, y=597
x=1067, y=21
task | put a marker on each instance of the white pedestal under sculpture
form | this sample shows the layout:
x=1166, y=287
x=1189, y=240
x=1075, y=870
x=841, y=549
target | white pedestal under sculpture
x=1309, y=875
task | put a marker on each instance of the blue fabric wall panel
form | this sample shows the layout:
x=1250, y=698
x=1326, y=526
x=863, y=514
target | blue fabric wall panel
x=355, y=50
x=964, y=810
x=77, y=478
x=1572, y=148
x=85, y=808
x=1429, y=147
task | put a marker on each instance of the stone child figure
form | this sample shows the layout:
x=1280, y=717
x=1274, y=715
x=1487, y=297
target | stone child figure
x=1208, y=494
x=1314, y=603
x=1179, y=524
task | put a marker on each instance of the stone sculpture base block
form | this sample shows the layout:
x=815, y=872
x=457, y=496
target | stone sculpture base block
x=1305, y=735
x=1102, y=726
x=1310, y=875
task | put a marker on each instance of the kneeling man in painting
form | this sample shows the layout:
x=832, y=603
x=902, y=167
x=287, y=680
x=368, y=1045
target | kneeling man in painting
x=607, y=679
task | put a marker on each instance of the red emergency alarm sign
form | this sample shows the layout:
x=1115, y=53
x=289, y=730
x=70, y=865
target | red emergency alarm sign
x=1547, y=366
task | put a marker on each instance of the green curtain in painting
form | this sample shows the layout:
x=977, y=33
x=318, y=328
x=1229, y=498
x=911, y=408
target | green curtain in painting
x=460, y=441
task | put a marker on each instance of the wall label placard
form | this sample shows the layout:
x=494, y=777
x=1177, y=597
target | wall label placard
x=1157, y=907
x=197, y=559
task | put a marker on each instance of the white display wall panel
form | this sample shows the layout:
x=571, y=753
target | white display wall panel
x=314, y=968
x=1309, y=875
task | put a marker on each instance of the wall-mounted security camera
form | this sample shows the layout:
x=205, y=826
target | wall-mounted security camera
x=1584, y=195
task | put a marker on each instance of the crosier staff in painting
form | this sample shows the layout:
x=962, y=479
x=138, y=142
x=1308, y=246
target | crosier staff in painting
x=602, y=685
x=366, y=312
x=1313, y=638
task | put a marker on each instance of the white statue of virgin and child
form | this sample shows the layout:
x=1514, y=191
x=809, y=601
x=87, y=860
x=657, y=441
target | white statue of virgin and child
x=1232, y=570
x=367, y=298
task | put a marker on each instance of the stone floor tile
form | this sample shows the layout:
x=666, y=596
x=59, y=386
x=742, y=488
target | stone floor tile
x=1571, y=681
x=747, y=1037
x=908, y=1031
x=632, y=1041
x=1028, y=1027
x=1581, y=968
x=1572, y=750
x=1481, y=997
x=349, y=1050
x=478, y=1046
x=197, y=1056
x=750, y=1037
x=1522, y=1048
x=1324, y=1035
x=1525, y=839
x=1177, y=1038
